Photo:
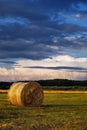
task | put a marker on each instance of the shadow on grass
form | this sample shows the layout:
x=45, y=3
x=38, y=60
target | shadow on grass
x=63, y=105
x=43, y=106
x=26, y=128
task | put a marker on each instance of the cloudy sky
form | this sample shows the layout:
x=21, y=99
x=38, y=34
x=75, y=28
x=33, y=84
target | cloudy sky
x=43, y=39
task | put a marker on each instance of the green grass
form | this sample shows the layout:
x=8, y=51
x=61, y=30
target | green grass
x=58, y=112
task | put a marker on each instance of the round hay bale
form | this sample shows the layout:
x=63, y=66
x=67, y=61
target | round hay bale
x=26, y=94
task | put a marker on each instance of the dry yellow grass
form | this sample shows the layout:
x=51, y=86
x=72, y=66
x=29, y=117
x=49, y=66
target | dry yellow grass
x=53, y=91
x=63, y=91
x=3, y=91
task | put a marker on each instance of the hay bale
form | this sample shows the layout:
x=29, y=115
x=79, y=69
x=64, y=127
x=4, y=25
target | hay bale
x=26, y=94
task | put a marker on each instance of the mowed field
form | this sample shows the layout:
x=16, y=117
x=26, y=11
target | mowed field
x=61, y=110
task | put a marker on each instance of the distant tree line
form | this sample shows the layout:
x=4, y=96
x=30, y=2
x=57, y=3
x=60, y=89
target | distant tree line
x=56, y=84
x=5, y=85
x=63, y=84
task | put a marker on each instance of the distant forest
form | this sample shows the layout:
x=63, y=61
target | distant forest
x=55, y=84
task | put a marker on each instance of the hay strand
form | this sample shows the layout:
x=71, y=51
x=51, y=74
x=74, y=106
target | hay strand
x=26, y=94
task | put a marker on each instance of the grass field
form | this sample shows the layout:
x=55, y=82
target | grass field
x=59, y=111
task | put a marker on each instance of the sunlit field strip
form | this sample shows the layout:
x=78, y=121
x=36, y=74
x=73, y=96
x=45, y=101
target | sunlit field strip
x=62, y=91
x=54, y=91
x=3, y=91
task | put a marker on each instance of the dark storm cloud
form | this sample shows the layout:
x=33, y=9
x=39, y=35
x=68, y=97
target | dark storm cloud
x=31, y=39
x=72, y=28
x=22, y=9
x=35, y=31
x=7, y=62
x=34, y=10
x=25, y=49
x=17, y=31
x=60, y=68
x=82, y=14
x=57, y=4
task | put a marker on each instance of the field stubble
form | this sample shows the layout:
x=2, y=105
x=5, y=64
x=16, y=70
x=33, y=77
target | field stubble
x=59, y=111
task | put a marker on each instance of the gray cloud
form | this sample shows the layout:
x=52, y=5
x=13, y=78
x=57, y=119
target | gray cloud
x=81, y=14
x=72, y=28
x=7, y=62
x=77, y=69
